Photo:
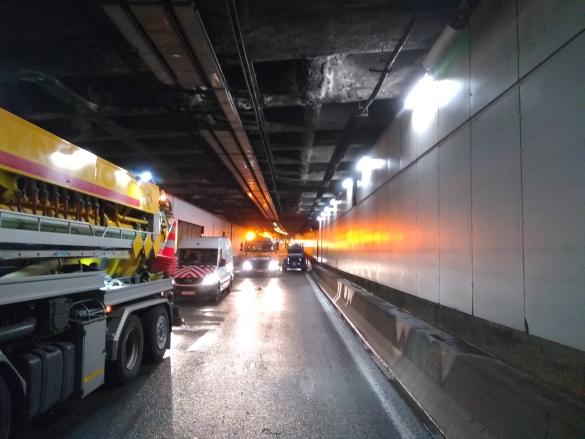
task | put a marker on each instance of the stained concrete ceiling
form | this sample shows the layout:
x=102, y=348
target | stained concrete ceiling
x=66, y=67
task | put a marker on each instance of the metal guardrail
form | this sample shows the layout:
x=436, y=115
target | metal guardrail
x=40, y=223
x=32, y=236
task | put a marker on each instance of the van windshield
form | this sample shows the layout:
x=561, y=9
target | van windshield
x=197, y=256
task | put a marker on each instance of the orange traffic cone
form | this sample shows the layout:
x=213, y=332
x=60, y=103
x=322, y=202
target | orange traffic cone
x=169, y=248
x=165, y=261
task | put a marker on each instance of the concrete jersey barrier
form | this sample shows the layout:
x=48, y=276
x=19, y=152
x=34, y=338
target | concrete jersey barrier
x=466, y=392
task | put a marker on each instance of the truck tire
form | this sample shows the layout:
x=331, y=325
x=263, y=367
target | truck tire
x=157, y=330
x=130, y=348
x=5, y=410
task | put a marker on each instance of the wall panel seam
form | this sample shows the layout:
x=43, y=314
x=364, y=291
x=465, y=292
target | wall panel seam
x=520, y=146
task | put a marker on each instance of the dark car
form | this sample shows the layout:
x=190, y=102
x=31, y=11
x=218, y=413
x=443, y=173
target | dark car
x=296, y=259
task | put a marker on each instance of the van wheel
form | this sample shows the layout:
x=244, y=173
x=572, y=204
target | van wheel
x=5, y=410
x=217, y=296
x=157, y=330
x=130, y=348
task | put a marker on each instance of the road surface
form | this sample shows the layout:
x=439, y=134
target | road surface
x=271, y=360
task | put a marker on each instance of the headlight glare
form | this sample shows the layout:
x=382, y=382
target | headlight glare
x=210, y=279
x=247, y=266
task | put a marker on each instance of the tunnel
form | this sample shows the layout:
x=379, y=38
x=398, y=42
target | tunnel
x=292, y=219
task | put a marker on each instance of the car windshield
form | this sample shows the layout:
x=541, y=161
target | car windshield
x=260, y=245
x=197, y=256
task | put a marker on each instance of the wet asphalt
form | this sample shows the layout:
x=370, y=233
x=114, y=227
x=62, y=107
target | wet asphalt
x=271, y=360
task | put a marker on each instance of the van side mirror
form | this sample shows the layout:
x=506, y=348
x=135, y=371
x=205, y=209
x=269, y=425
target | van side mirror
x=222, y=262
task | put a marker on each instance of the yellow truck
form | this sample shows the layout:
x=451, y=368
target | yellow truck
x=260, y=254
x=77, y=292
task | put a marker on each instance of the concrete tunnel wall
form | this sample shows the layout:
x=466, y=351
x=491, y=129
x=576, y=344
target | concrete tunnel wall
x=213, y=225
x=480, y=204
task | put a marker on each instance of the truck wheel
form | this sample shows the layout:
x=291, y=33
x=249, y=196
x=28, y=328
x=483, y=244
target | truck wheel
x=130, y=349
x=157, y=330
x=5, y=410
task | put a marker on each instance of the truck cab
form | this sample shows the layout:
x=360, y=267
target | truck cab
x=205, y=267
x=260, y=256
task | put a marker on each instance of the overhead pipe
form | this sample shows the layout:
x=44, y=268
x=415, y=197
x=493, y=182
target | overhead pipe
x=184, y=26
x=388, y=66
x=341, y=149
x=237, y=148
x=254, y=91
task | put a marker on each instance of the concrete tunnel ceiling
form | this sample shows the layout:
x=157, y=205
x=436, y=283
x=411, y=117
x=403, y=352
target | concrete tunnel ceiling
x=69, y=68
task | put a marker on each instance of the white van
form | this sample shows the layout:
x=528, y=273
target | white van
x=205, y=266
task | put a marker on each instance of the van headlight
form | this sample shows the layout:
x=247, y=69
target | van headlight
x=273, y=265
x=210, y=279
x=247, y=266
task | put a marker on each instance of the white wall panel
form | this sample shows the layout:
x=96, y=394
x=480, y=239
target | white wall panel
x=394, y=146
x=388, y=149
x=395, y=224
x=386, y=226
x=493, y=51
x=212, y=225
x=545, y=25
x=407, y=241
x=381, y=150
x=426, y=126
x=428, y=226
x=454, y=70
x=408, y=148
x=358, y=254
x=479, y=174
x=553, y=142
x=498, y=287
x=455, y=221
x=375, y=247
x=367, y=244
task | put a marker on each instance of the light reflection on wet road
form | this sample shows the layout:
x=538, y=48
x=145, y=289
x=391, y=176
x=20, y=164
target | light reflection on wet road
x=271, y=360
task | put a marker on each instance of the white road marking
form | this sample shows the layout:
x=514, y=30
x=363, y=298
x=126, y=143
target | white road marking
x=204, y=341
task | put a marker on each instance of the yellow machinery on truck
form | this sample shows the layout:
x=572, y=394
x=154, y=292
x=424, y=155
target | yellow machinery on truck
x=73, y=200
x=78, y=236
